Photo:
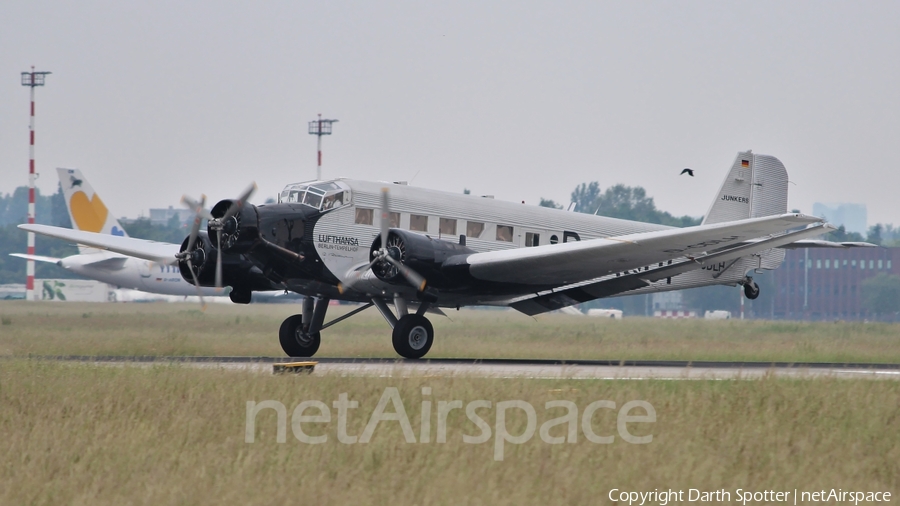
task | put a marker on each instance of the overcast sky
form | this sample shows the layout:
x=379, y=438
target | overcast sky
x=518, y=99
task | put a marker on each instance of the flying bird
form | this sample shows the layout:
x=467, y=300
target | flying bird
x=690, y=172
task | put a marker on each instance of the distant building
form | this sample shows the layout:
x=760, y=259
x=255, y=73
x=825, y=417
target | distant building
x=162, y=216
x=852, y=216
x=825, y=284
x=667, y=301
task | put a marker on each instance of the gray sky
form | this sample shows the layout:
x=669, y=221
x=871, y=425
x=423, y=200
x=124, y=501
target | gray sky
x=518, y=99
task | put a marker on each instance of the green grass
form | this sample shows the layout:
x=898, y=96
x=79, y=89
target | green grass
x=182, y=329
x=84, y=434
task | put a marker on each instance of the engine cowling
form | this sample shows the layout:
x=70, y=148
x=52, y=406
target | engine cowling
x=421, y=253
x=240, y=231
x=237, y=272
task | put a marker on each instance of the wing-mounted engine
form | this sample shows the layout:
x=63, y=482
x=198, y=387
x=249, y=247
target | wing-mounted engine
x=421, y=253
x=238, y=272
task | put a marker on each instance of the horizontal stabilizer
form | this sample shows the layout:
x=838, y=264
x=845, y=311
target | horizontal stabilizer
x=36, y=258
x=818, y=243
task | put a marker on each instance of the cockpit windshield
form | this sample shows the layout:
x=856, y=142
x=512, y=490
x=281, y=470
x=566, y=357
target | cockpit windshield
x=319, y=195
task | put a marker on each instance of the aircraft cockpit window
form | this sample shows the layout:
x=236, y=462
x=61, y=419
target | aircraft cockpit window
x=312, y=198
x=321, y=196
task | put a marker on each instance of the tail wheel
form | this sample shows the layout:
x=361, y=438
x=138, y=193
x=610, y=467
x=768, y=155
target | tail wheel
x=294, y=341
x=413, y=336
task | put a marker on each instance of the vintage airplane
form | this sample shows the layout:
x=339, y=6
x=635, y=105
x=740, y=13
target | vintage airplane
x=422, y=250
x=88, y=213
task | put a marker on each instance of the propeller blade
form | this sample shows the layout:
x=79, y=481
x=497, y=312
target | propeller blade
x=196, y=284
x=385, y=218
x=197, y=207
x=414, y=278
x=219, y=259
x=237, y=205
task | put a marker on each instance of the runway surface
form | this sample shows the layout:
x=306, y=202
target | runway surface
x=519, y=368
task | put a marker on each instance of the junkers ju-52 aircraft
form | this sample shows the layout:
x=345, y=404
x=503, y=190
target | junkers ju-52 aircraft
x=419, y=250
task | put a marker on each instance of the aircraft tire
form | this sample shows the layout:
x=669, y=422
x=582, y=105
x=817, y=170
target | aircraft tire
x=413, y=336
x=751, y=290
x=294, y=342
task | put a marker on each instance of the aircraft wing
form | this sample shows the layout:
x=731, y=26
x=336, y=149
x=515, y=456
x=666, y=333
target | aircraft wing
x=573, y=262
x=159, y=252
x=613, y=285
x=36, y=258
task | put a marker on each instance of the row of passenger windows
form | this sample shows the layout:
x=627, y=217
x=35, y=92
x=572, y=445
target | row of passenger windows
x=448, y=226
x=836, y=264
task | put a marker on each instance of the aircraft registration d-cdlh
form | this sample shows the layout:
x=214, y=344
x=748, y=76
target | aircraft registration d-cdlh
x=409, y=251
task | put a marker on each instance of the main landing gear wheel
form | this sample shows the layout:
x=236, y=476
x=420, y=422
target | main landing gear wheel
x=413, y=336
x=294, y=341
x=751, y=290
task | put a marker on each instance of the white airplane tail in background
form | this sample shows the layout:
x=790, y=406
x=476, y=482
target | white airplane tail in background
x=87, y=211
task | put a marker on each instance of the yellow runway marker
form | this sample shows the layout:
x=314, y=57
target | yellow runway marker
x=294, y=367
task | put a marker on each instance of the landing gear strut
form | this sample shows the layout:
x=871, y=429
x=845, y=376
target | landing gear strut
x=751, y=289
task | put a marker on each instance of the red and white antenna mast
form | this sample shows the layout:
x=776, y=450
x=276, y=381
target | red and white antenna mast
x=31, y=79
x=319, y=128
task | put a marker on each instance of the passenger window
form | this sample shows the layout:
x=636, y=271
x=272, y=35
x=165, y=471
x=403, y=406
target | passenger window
x=448, y=226
x=418, y=223
x=394, y=219
x=504, y=233
x=364, y=216
x=474, y=229
x=532, y=239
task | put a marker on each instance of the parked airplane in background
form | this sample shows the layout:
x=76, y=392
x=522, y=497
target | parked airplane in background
x=89, y=214
x=382, y=243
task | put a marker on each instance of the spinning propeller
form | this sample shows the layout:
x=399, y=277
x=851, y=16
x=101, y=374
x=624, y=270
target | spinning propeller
x=187, y=255
x=227, y=220
x=387, y=254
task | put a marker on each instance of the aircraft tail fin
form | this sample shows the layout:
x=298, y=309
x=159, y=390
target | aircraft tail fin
x=756, y=186
x=87, y=211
